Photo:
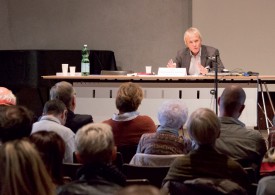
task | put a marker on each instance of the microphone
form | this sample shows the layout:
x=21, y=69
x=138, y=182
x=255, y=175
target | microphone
x=214, y=57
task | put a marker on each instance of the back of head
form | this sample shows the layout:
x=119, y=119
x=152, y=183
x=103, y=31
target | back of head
x=51, y=148
x=203, y=126
x=23, y=172
x=129, y=97
x=173, y=114
x=95, y=143
x=15, y=123
x=7, y=98
x=63, y=91
x=231, y=100
x=54, y=107
x=191, y=31
x=139, y=189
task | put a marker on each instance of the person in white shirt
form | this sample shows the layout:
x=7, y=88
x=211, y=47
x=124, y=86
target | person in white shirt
x=53, y=119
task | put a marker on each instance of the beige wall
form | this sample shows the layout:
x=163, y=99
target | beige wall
x=140, y=32
x=243, y=31
x=144, y=32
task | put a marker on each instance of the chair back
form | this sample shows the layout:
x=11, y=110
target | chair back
x=70, y=170
x=154, y=175
x=137, y=182
x=127, y=152
x=118, y=162
x=201, y=186
x=252, y=174
x=142, y=159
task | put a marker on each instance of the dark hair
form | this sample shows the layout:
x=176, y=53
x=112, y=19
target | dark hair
x=54, y=107
x=15, y=123
x=51, y=148
x=232, y=97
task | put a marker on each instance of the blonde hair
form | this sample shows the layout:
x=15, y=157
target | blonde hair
x=191, y=31
x=23, y=172
x=129, y=97
x=95, y=143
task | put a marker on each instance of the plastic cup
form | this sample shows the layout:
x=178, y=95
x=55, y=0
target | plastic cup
x=72, y=70
x=148, y=69
x=65, y=69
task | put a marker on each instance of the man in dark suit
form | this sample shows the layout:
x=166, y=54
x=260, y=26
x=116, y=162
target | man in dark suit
x=196, y=58
x=64, y=91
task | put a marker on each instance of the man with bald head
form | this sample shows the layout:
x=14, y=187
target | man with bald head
x=247, y=146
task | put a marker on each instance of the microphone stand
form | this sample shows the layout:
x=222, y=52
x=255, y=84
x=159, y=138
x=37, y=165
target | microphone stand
x=216, y=81
x=214, y=60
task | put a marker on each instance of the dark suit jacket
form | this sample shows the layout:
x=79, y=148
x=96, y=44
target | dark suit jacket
x=183, y=58
x=76, y=121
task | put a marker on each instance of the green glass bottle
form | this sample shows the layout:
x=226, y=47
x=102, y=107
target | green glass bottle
x=85, y=62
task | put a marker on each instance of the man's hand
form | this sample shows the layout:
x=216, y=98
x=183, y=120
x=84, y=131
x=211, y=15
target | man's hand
x=171, y=64
x=202, y=69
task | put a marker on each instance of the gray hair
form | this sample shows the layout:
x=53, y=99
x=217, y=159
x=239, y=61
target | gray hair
x=95, y=143
x=63, y=91
x=191, y=31
x=203, y=126
x=173, y=114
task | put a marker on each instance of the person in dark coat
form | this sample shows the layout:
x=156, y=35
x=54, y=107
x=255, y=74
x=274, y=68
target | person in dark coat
x=96, y=150
x=65, y=92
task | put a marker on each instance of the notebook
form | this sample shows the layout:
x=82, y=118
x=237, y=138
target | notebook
x=224, y=74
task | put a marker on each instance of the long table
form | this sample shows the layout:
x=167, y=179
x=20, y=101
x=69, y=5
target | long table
x=96, y=93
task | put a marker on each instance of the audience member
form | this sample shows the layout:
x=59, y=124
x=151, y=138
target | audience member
x=195, y=56
x=23, y=171
x=128, y=125
x=172, y=115
x=15, y=123
x=205, y=162
x=266, y=185
x=53, y=119
x=138, y=190
x=65, y=92
x=95, y=149
x=51, y=148
x=247, y=146
x=271, y=135
x=7, y=98
x=268, y=163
